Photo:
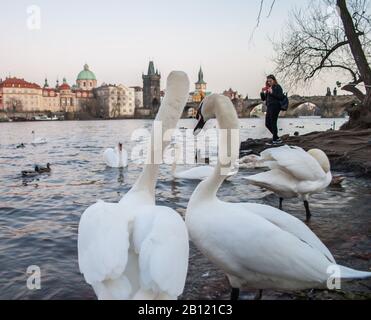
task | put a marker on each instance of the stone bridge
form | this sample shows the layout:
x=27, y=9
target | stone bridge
x=329, y=106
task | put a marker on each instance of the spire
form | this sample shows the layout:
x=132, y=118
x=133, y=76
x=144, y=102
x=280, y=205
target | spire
x=57, y=85
x=86, y=67
x=151, y=69
x=64, y=80
x=201, y=77
x=46, y=85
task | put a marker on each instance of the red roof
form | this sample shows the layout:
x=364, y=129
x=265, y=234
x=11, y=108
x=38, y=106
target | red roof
x=64, y=86
x=18, y=83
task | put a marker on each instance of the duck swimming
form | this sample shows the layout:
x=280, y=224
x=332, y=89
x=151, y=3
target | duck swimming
x=37, y=170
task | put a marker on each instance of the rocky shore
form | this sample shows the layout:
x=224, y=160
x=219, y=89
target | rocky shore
x=348, y=150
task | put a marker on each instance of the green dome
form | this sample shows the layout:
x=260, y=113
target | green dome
x=86, y=74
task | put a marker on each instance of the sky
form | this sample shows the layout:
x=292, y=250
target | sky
x=117, y=38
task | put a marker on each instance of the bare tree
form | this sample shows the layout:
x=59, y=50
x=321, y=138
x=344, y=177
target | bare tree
x=319, y=39
x=352, y=23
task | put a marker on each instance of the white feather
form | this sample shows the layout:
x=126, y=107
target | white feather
x=294, y=173
x=257, y=246
x=114, y=159
x=134, y=249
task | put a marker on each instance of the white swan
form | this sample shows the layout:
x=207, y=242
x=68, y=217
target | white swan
x=116, y=158
x=195, y=173
x=134, y=249
x=37, y=140
x=257, y=246
x=294, y=173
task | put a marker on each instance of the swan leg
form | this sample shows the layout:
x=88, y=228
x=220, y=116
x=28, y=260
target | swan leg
x=281, y=201
x=259, y=295
x=235, y=294
x=306, y=205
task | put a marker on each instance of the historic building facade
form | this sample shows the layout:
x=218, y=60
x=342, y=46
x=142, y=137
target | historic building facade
x=20, y=95
x=138, y=94
x=86, y=79
x=200, y=93
x=152, y=89
x=196, y=96
x=116, y=101
x=231, y=94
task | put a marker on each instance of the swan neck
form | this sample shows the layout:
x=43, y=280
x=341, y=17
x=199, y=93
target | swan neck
x=228, y=151
x=163, y=127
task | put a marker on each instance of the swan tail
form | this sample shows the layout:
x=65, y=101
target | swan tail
x=348, y=273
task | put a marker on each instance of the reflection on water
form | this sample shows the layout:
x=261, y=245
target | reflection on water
x=39, y=216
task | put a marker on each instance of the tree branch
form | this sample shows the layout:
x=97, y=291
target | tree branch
x=353, y=89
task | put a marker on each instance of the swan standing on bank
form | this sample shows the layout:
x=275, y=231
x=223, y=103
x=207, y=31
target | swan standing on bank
x=258, y=246
x=116, y=158
x=134, y=249
x=195, y=173
x=294, y=173
x=37, y=140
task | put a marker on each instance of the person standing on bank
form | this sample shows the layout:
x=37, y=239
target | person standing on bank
x=272, y=94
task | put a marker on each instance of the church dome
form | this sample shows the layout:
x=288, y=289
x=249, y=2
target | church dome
x=86, y=74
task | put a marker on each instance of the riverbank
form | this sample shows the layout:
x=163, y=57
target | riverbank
x=348, y=150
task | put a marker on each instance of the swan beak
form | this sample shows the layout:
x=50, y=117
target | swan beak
x=201, y=121
x=200, y=124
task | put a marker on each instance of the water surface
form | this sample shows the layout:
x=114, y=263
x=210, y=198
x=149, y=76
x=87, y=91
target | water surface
x=39, y=218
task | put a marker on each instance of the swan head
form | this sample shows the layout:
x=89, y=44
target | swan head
x=177, y=89
x=174, y=101
x=209, y=109
x=322, y=159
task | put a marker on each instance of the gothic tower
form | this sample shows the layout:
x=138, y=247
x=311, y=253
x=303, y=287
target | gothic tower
x=152, y=89
x=201, y=86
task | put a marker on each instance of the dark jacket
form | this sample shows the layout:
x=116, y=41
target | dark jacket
x=273, y=99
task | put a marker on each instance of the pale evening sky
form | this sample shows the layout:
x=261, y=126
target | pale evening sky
x=118, y=37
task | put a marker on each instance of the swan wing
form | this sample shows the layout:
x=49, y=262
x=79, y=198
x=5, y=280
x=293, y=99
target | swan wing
x=103, y=242
x=291, y=225
x=276, y=180
x=250, y=246
x=295, y=161
x=110, y=157
x=161, y=239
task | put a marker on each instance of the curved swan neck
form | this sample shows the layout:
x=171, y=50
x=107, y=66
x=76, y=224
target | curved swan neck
x=229, y=144
x=165, y=123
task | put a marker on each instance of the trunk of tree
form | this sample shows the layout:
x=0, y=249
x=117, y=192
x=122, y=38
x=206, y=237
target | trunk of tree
x=359, y=116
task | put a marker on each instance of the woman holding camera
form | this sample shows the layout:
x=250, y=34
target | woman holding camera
x=272, y=94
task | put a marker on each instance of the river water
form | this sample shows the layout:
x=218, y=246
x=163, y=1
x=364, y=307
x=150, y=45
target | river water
x=39, y=217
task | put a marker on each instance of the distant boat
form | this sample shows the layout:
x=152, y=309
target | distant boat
x=43, y=117
x=309, y=117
